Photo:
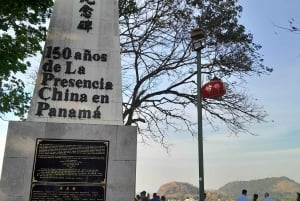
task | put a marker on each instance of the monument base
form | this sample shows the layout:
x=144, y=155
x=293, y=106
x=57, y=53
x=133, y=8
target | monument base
x=64, y=171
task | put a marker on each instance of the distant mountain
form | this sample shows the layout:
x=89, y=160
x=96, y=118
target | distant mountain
x=178, y=190
x=280, y=189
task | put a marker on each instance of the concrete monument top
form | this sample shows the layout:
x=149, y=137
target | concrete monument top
x=79, y=78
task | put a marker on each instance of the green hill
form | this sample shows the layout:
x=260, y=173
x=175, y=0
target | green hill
x=280, y=189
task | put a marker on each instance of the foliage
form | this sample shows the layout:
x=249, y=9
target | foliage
x=127, y=7
x=158, y=64
x=12, y=96
x=22, y=28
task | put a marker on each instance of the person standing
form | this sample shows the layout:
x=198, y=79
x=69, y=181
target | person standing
x=255, y=197
x=243, y=196
x=138, y=198
x=155, y=197
x=267, y=197
x=143, y=196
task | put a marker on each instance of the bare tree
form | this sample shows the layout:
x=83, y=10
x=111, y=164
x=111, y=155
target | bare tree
x=159, y=67
x=293, y=26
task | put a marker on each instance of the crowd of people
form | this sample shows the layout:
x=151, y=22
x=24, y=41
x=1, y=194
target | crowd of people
x=144, y=196
x=243, y=196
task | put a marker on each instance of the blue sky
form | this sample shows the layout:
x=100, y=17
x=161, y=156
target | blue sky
x=275, y=151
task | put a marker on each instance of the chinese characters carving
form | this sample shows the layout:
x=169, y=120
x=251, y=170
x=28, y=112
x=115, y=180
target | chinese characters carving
x=86, y=12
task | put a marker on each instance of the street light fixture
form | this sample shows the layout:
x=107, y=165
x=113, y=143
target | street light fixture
x=197, y=36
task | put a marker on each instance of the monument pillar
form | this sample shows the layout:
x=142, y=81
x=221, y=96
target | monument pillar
x=79, y=79
x=74, y=145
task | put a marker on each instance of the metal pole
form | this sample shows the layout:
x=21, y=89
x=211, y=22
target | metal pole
x=200, y=129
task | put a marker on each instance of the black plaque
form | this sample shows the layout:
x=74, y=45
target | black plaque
x=67, y=193
x=70, y=161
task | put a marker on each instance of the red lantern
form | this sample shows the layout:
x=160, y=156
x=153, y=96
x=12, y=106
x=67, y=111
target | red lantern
x=214, y=89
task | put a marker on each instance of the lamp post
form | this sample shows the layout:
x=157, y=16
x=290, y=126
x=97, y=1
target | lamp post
x=197, y=36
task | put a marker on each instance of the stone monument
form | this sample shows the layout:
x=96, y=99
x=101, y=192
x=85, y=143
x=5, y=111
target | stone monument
x=73, y=145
